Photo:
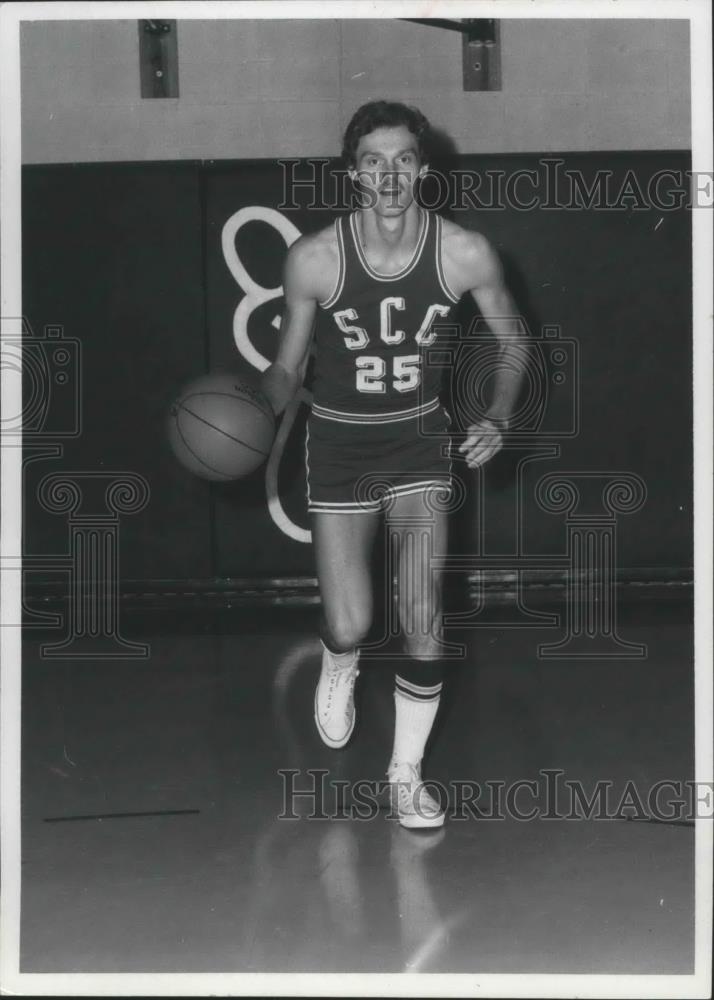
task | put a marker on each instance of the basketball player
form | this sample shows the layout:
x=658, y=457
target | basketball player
x=370, y=289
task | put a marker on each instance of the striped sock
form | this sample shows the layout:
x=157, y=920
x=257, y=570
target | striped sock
x=415, y=706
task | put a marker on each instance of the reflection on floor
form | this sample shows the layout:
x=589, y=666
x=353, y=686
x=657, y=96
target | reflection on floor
x=181, y=864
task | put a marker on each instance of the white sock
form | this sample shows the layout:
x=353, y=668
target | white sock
x=342, y=660
x=414, y=717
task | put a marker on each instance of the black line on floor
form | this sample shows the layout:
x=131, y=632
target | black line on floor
x=125, y=815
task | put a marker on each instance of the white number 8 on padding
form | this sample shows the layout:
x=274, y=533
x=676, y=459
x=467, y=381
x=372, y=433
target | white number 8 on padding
x=371, y=371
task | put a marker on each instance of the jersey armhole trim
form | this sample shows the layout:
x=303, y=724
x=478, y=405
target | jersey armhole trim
x=439, y=267
x=337, y=291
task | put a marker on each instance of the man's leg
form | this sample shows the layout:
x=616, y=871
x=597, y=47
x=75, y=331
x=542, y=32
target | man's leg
x=419, y=531
x=343, y=545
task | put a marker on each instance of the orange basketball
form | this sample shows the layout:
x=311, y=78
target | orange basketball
x=221, y=427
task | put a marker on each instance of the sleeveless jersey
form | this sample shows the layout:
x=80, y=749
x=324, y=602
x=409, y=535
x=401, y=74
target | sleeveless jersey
x=372, y=333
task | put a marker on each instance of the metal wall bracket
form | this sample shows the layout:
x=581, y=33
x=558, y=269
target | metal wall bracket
x=158, y=58
x=481, y=54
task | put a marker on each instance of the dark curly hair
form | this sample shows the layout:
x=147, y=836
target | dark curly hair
x=384, y=114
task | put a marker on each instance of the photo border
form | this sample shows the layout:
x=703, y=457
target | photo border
x=349, y=984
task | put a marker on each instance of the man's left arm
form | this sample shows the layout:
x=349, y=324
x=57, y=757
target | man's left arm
x=486, y=285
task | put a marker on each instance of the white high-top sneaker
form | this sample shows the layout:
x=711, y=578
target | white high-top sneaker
x=414, y=806
x=334, y=700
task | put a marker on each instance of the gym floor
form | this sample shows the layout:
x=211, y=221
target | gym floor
x=151, y=796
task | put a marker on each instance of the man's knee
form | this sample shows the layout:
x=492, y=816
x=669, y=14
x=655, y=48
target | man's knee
x=346, y=631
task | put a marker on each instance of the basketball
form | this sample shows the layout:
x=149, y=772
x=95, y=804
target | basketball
x=221, y=427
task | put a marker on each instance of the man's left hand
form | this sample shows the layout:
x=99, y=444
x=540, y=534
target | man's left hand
x=483, y=440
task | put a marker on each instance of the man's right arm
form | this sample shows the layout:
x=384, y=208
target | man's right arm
x=284, y=377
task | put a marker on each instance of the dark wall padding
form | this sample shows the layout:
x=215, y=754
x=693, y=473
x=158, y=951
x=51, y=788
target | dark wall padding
x=114, y=254
x=617, y=281
x=143, y=264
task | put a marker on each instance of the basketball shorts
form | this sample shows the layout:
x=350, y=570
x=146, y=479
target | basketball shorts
x=362, y=467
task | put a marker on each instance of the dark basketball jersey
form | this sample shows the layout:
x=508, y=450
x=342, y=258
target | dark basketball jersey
x=372, y=333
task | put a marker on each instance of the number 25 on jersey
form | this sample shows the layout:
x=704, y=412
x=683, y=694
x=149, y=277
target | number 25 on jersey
x=371, y=371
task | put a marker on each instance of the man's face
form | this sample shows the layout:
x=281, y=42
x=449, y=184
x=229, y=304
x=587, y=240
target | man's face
x=387, y=166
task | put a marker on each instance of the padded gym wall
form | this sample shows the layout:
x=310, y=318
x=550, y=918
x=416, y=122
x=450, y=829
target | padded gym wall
x=136, y=261
x=113, y=254
x=287, y=88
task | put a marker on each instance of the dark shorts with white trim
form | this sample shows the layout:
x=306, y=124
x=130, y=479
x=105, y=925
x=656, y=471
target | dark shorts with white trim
x=355, y=467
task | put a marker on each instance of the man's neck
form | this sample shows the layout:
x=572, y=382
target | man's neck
x=389, y=231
